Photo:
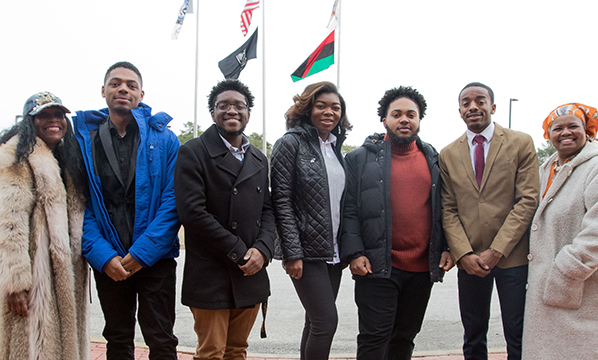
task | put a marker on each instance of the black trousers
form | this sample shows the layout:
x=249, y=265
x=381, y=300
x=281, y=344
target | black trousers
x=317, y=290
x=475, y=295
x=154, y=289
x=391, y=312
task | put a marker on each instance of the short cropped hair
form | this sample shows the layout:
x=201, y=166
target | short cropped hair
x=126, y=65
x=479, y=84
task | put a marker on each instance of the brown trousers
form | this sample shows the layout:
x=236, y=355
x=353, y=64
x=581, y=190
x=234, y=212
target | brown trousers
x=222, y=334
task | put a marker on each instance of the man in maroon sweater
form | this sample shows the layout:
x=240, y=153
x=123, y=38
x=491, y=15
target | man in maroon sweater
x=392, y=233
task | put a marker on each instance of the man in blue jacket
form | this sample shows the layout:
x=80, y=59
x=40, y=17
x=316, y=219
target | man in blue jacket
x=131, y=224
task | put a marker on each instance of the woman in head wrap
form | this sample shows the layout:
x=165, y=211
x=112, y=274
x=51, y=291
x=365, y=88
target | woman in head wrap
x=43, y=277
x=561, y=310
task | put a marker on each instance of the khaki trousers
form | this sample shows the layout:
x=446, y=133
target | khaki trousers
x=222, y=334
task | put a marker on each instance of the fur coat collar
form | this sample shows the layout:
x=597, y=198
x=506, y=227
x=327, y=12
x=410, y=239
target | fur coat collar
x=41, y=218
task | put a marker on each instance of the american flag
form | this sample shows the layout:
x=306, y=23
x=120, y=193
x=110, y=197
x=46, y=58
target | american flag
x=247, y=14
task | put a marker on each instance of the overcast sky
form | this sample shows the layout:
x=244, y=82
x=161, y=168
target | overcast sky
x=540, y=52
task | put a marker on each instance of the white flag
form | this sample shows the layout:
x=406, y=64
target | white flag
x=186, y=8
x=333, y=17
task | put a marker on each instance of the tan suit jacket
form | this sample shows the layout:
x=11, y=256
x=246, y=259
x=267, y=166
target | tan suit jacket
x=496, y=215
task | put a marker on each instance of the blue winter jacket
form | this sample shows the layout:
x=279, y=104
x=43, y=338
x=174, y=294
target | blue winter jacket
x=156, y=222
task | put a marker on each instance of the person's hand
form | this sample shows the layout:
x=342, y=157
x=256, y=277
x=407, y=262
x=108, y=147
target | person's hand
x=295, y=268
x=17, y=303
x=115, y=270
x=491, y=258
x=130, y=264
x=446, y=261
x=255, y=261
x=474, y=265
x=360, y=266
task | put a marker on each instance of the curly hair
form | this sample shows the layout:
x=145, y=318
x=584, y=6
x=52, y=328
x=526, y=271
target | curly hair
x=479, y=84
x=402, y=92
x=67, y=152
x=232, y=85
x=304, y=103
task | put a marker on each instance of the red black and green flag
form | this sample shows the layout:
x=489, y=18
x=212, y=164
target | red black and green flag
x=319, y=60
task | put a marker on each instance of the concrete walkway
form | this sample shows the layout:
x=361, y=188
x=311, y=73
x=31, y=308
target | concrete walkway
x=98, y=352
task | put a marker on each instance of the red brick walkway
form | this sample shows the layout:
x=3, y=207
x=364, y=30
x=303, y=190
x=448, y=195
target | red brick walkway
x=98, y=351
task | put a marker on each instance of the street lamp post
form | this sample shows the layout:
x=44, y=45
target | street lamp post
x=510, y=105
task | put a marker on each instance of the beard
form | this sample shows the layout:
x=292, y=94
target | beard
x=225, y=133
x=401, y=140
x=122, y=112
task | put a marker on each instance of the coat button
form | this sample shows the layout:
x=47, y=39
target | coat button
x=259, y=189
x=259, y=223
x=529, y=257
x=233, y=225
x=535, y=227
x=481, y=200
x=235, y=191
x=233, y=256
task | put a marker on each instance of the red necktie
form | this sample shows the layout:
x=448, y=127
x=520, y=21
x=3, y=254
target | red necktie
x=479, y=158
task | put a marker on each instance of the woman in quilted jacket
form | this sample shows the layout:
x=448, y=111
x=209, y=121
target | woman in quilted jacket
x=308, y=182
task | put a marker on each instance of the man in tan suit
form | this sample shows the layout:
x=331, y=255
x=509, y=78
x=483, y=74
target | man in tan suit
x=489, y=196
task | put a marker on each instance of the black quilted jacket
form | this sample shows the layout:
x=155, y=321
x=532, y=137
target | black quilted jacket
x=367, y=221
x=300, y=194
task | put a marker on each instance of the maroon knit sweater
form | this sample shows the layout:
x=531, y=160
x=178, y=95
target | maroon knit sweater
x=410, y=184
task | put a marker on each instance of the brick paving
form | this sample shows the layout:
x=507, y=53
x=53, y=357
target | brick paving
x=98, y=351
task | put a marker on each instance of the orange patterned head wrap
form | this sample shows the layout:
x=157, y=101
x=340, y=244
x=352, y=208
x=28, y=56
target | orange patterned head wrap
x=587, y=114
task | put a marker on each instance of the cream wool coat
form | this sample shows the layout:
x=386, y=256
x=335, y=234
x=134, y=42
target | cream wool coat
x=561, y=310
x=40, y=252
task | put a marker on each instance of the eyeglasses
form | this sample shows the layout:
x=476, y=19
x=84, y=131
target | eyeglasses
x=224, y=106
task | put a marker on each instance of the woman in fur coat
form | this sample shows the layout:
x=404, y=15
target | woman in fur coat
x=561, y=309
x=43, y=277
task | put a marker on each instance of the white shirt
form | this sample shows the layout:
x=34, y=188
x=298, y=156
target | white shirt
x=239, y=154
x=336, y=186
x=488, y=133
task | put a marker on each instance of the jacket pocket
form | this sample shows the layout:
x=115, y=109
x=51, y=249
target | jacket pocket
x=562, y=291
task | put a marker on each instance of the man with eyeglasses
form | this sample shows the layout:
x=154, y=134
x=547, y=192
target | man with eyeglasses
x=223, y=201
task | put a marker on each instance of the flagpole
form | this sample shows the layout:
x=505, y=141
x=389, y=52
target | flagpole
x=196, y=71
x=338, y=56
x=264, y=146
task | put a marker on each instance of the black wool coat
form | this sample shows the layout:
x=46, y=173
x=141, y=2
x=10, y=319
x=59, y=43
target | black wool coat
x=225, y=208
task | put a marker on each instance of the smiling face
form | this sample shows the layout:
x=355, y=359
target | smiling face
x=231, y=115
x=402, y=119
x=475, y=108
x=50, y=125
x=122, y=91
x=326, y=114
x=568, y=136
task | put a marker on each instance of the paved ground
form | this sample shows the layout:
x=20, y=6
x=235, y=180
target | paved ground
x=98, y=350
x=441, y=332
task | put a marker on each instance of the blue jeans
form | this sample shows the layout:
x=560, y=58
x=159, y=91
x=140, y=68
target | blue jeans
x=475, y=294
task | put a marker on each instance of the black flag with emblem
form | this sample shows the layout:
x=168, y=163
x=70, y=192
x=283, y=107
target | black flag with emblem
x=232, y=65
